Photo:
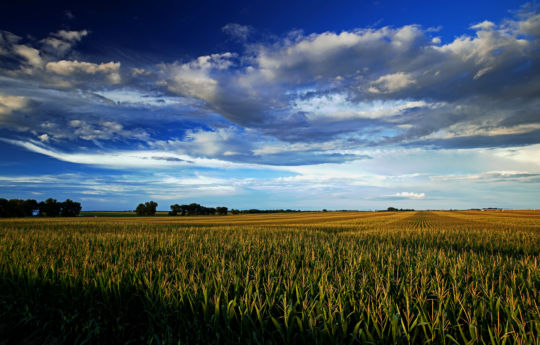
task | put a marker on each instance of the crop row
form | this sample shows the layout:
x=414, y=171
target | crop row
x=400, y=278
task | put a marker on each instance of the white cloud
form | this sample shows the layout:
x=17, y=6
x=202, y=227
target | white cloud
x=531, y=25
x=31, y=55
x=73, y=36
x=127, y=159
x=195, y=77
x=392, y=82
x=106, y=130
x=69, y=68
x=337, y=106
x=407, y=195
x=491, y=176
x=485, y=25
x=61, y=42
x=9, y=104
x=44, y=138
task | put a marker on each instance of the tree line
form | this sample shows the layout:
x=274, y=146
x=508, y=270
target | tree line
x=149, y=209
x=30, y=207
x=193, y=209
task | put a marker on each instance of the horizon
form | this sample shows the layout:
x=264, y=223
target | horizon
x=355, y=106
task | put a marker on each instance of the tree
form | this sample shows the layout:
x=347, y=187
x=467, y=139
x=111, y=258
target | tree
x=30, y=206
x=222, y=211
x=140, y=210
x=4, y=208
x=49, y=208
x=146, y=209
x=175, y=209
x=70, y=208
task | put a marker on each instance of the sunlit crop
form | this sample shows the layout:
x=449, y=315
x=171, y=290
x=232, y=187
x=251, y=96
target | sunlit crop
x=312, y=278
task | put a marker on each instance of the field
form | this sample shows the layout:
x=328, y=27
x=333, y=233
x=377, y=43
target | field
x=308, y=278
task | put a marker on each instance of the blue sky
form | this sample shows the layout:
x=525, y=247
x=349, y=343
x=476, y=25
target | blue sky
x=304, y=105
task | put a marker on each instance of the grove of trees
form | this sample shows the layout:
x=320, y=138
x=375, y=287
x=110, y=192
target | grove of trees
x=48, y=208
x=195, y=209
x=146, y=209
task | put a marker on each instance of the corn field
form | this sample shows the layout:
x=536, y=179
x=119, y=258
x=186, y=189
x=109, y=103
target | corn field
x=306, y=278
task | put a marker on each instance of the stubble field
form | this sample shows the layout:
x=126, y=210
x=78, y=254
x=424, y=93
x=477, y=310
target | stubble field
x=307, y=278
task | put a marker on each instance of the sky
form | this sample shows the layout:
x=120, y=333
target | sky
x=303, y=105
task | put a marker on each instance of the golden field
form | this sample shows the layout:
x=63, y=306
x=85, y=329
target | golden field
x=312, y=277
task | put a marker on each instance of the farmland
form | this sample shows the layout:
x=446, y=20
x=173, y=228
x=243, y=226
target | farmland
x=308, y=278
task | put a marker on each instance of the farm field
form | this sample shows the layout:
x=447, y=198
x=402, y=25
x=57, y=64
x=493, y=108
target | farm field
x=460, y=277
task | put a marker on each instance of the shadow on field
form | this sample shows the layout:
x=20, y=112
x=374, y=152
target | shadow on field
x=40, y=311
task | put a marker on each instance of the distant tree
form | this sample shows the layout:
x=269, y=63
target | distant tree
x=146, y=209
x=235, y=211
x=175, y=209
x=222, y=211
x=151, y=207
x=17, y=207
x=325, y=210
x=140, y=210
x=70, y=208
x=4, y=208
x=49, y=208
x=392, y=209
x=30, y=207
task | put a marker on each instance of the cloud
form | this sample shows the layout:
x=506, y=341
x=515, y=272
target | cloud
x=44, y=61
x=9, y=104
x=294, y=100
x=491, y=177
x=404, y=196
x=32, y=56
x=106, y=130
x=195, y=77
x=73, y=68
x=237, y=31
x=127, y=159
x=372, y=86
x=392, y=83
x=61, y=42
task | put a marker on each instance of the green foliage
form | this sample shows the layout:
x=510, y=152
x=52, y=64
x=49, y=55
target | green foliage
x=310, y=278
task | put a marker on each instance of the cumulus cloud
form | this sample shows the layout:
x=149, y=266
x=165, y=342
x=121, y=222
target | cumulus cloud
x=32, y=56
x=392, y=83
x=61, y=42
x=9, y=104
x=72, y=68
x=298, y=99
x=44, y=61
x=373, y=86
x=195, y=78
